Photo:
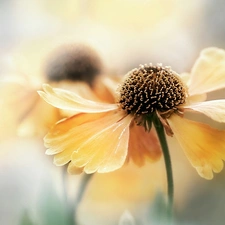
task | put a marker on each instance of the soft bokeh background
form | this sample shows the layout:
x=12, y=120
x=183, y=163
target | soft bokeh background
x=126, y=33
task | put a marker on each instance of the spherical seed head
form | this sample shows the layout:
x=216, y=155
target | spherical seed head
x=75, y=62
x=150, y=88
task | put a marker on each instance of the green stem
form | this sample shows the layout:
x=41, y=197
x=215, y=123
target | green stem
x=162, y=138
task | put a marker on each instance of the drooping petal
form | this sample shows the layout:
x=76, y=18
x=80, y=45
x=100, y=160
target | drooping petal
x=97, y=144
x=214, y=109
x=106, y=150
x=67, y=100
x=203, y=145
x=208, y=72
x=62, y=134
x=143, y=145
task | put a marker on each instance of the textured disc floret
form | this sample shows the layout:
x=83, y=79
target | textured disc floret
x=150, y=88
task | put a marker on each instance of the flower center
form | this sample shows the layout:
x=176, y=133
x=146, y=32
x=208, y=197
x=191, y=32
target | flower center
x=150, y=88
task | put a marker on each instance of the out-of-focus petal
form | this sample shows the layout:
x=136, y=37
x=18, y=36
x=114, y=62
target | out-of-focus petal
x=214, y=109
x=97, y=144
x=208, y=72
x=105, y=88
x=143, y=145
x=39, y=119
x=16, y=103
x=203, y=145
x=67, y=100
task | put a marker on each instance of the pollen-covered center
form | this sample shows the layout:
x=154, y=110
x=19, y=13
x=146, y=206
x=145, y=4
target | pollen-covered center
x=151, y=88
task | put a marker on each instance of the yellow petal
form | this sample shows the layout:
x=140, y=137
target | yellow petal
x=60, y=136
x=208, y=72
x=143, y=145
x=67, y=100
x=106, y=150
x=97, y=144
x=203, y=145
x=79, y=87
x=214, y=109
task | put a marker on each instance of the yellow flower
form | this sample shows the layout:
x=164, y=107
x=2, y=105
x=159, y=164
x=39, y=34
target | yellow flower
x=104, y=136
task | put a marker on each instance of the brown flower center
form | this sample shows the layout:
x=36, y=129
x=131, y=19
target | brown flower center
x=150, y=88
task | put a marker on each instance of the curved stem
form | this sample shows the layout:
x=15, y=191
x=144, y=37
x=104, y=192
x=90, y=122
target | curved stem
x=162, y=138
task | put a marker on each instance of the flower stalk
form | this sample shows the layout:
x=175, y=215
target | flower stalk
x=170, y=188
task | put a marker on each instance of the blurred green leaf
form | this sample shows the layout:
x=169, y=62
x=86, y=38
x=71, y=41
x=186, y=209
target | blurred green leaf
x=26, y=219
x=158, y=210
x=52, y=209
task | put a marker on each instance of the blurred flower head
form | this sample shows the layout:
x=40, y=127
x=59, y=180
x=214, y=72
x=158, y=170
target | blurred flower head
x=76, y=67
x=77, y=62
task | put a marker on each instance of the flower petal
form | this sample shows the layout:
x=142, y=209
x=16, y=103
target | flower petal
x=67, y=100
x=208, y=72
x=97, y=144
x=185, y=77
x=214, y=109
x=143, y=145
x=105, y=88
x=203, y=145
x=61, y=136
x=106, y=150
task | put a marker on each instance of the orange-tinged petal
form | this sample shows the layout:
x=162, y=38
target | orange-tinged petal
x=203, y=145
x=143, y=145
x=214, y=109
x=208, y=72
x=67, y=100
x=105, y=88
x=106, y=150
x=62, y=134
x=97, y=144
